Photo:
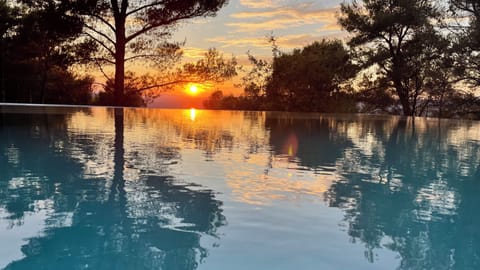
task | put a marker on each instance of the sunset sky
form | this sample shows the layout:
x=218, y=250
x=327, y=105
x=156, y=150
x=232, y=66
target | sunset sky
x=243, y=26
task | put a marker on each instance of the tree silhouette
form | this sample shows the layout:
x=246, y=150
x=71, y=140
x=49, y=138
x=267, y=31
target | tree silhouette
x=309, y=79
x=394, y=34
x=37, y=48
x=139, y=30
x=468, y=36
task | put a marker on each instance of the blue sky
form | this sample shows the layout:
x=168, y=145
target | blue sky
x=243, y=25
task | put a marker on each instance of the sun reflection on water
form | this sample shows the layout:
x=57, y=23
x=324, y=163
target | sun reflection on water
x=193, y=114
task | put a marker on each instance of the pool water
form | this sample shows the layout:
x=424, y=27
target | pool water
x=105, y=188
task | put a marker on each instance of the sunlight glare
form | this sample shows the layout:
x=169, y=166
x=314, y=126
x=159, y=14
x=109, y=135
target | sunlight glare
x=193, y=89
x=193, y=114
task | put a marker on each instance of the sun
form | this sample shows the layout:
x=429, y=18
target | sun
x=192, y=89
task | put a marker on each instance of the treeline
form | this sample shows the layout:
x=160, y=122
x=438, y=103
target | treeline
x=409, y=57
x=311, y=79
x=45, y=43
x=37, y=52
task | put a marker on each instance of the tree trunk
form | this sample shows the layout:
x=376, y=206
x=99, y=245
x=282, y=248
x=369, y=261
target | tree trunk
x=2, y=72
x=403, y=96
x=407, y=111
x=43, y=82
x=119, y=90
x=120, y=43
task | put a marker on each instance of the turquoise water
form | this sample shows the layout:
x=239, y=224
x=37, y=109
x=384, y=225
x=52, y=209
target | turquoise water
x=98, y=188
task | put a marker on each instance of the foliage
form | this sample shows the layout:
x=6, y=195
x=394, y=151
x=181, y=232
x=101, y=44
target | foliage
x=309, y=79
x=375, y=95
x=37, y=50
x=218, y=101
x=140, y=30
x=468, y=39
x=397, y=37
x=256, y=80
x=141, y=90
x=214, y=101
x=133, y=98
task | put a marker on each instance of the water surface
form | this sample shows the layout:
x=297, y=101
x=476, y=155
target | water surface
x=104, y=188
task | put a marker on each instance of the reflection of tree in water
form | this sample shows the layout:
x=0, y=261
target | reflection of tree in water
x=152, y=223
x=209, y=131
x=408, y=187
x=28, y=143
x=416, y=195
x=405, y=186
x=311, y=139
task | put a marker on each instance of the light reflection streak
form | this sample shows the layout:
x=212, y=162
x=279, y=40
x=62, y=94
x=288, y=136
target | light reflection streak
x=193, y=114
x=290, y=147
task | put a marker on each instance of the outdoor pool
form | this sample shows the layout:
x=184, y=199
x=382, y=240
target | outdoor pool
x=104, y=188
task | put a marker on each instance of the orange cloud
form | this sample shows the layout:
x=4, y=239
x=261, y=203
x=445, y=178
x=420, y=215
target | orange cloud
x=241, y=42
x=260, y=3
x=284, y=42
x=285, y=17
x=301, y=40
x=193, y=53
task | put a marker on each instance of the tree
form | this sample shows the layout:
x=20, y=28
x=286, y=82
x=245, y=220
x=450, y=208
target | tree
x=375, y=96
x=132, y=30
x=256, y=80
x=310, y=79
x=214, y=101
x=468, y=39
x=43, y=36
x=391, y=35
x=37, y=52
x=7, y=22
x=141, y=90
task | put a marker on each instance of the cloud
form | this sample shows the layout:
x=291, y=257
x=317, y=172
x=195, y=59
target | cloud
x=301, y=40
x=260, y=3
x=240, y=42
x=286, y=42
x=285, y=18
x=193, y=53
x=330, y=27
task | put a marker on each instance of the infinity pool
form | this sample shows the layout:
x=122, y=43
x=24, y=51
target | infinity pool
x=104, y=188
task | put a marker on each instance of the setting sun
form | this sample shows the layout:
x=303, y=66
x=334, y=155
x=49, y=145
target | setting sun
x=192, y=89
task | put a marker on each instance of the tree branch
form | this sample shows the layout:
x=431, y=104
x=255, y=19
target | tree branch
x=114, y=4
x=140, y=56
x=103, y=71
x=101, y=43
x=149, y=27
x=101, y=84
x=100, y=33
x=143, y=7
x=124, y=7
x=103, y=59
x=103, y=20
